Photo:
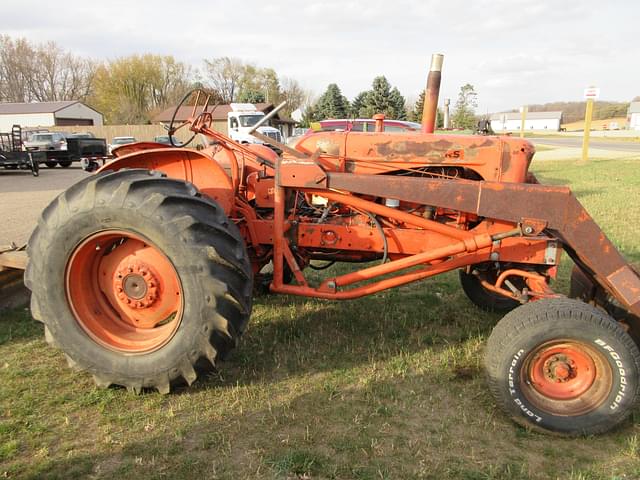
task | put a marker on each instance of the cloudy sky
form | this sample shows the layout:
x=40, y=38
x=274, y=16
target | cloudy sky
x=513, y=51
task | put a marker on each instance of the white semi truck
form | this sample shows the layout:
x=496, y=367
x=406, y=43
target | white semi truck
x=242, y=117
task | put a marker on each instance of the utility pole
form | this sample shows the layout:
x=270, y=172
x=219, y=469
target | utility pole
x=590, y=94
x=523, y=118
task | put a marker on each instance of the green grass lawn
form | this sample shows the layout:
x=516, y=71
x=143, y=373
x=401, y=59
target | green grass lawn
x=388, y=386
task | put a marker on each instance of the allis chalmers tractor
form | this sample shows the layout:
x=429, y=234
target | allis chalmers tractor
x=146, y=269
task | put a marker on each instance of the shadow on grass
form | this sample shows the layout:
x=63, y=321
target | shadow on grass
x=407, y=425
x=298, y=336
x=387, y=386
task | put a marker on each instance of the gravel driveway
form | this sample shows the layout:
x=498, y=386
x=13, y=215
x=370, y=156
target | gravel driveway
x=23, y=197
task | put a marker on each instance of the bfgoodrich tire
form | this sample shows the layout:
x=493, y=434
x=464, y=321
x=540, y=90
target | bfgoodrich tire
x=563, y=366
x=138, y=278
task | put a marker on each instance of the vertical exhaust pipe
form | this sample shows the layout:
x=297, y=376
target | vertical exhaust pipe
x=430, y=108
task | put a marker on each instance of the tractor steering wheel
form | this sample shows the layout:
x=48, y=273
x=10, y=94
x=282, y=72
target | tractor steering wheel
x=172, y=130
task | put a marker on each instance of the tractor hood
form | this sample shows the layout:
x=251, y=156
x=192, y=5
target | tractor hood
x=495, y=158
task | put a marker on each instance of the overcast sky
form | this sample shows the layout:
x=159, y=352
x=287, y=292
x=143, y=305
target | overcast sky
x=513, y=51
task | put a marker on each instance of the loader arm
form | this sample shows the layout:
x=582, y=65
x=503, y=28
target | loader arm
x=543, y=207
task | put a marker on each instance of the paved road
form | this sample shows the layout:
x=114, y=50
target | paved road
x=23, y=197
x=576, y=142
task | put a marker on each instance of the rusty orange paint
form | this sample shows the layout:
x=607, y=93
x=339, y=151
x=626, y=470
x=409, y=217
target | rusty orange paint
x=482, y=204
x=190, y=165
x=562, y=372
x=123, y=292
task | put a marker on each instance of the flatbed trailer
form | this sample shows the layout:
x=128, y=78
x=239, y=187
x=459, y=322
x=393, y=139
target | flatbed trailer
x=12, y=156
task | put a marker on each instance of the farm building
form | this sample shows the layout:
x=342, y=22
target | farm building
x=535, y=121
x=285, y=125
x=47, y=114
x=633, y=116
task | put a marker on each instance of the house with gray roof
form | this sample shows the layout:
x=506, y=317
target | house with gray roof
x=47, y=114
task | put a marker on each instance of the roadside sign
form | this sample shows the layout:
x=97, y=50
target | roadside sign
x=592, y=92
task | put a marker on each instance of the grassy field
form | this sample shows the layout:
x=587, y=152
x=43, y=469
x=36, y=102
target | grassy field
x=386, y=387
x=597, y=124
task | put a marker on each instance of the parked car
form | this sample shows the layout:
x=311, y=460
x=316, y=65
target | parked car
x=46, y=141
x=363, y=125
x=81, y=135
x=164, y=139
x=117, y=141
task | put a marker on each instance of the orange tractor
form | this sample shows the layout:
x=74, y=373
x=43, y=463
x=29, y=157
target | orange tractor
x=146, y=269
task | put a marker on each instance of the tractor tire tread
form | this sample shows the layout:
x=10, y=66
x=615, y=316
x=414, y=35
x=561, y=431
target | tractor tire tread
x=219, y=260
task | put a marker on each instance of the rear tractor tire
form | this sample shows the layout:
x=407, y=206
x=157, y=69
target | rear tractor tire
x=563, y=366
x=139, y=279
x=65, y=164
x=51, y=163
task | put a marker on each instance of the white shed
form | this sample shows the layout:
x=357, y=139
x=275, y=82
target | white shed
x=535, y=121
x=47, y=114
x=633, y=116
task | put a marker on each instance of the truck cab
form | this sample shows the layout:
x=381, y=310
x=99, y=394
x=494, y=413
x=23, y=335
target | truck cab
x=242, y=117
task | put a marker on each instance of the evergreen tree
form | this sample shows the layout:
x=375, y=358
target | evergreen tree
x=415, y=115
x=377, y=100
x=332, y=104
x=382, y=99
x=396, y=108
x=464, y=115
x=358, y=105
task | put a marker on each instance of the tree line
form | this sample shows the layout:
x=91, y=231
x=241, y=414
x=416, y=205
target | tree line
x=574, y=111
x=133, y=89
x=383, y=98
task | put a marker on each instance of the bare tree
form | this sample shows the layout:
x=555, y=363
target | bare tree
x=42, y=73
x=171, y=81
x=225, y=75
x=293, y=93
x=15, y=69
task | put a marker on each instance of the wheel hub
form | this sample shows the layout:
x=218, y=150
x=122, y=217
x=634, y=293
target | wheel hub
x=560, y=369
x=564, y=371
x=136, y=285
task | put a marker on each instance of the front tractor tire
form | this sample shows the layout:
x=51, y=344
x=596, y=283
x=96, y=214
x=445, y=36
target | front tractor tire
x=563, y=366
x=139, y=279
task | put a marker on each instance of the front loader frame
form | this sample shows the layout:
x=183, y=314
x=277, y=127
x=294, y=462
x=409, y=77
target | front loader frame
x=534, y=208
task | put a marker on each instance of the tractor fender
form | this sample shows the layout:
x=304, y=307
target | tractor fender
x=184, y=164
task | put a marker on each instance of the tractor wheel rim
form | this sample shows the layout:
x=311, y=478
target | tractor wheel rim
x=124, y=292
x=566, y=377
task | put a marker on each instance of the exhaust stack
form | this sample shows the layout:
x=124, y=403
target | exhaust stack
x=429, y=110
